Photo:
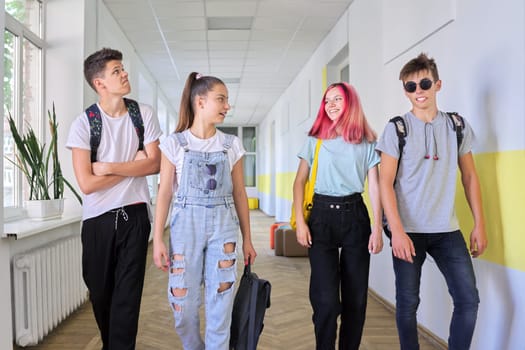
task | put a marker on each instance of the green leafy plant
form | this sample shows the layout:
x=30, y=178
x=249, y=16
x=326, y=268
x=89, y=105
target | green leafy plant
x=39, y=165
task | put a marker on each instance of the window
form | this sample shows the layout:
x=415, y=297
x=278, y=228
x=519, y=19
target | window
x=27, y=12
x=249, y=142
x=23, y=72
x=9, y=170
x=247, y=134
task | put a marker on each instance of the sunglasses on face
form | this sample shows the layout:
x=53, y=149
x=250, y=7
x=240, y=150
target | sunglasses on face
x=424, y=84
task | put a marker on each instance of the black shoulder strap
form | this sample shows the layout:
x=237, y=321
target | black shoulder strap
x=95, y=129
x=95, y=125
x=136, y=118
x=402, y=132
x=458, y=124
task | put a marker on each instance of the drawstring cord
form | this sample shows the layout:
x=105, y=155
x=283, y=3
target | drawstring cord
x=122, y=212
x=435, y=144
x=427, y=153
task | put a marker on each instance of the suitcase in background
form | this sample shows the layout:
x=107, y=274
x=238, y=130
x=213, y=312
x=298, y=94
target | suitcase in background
x=286, y=243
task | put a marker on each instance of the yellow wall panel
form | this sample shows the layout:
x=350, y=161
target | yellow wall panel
x=284, y=185
x=264, y=183
x=503, y=195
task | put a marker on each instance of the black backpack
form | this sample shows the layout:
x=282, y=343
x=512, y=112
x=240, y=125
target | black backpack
x=250, y=304
x=458, y=124
x=95, y=125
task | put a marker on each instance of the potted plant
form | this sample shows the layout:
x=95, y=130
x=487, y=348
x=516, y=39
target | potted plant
x=41, y=168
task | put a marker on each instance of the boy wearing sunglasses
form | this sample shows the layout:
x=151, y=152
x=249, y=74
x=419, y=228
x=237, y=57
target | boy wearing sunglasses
x=418, y=191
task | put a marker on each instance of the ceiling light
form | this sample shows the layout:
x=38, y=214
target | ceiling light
x=231, y=80
x=229, y=23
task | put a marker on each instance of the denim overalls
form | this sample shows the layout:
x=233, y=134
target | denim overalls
x=203, y=221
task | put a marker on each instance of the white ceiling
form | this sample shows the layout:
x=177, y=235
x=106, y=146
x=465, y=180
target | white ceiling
x=173, y=39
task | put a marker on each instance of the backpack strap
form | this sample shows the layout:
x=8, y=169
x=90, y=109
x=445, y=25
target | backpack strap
x=458, y=124
x=95, y=125
x=95, y=129
x=136, y=118
x=402, y=132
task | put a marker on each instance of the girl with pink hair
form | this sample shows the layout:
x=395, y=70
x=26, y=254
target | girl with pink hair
x=338, y=233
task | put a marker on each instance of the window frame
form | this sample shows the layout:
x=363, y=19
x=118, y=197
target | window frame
x=21, y=33
x=249, y=153
x=239, y=134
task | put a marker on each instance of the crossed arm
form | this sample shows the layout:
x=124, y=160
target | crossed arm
x=92, y=177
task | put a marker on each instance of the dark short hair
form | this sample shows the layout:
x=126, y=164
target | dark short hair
x=420, y=63
x=95, y=64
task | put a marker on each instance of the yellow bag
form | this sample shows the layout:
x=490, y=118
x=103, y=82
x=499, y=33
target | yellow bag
x=308, y=190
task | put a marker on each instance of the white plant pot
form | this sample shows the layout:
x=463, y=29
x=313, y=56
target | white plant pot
x=44, y=209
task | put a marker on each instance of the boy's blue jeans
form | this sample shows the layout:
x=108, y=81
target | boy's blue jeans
x=453, y=260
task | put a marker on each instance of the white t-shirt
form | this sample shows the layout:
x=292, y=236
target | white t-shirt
x=171, y=148
x=119, y=142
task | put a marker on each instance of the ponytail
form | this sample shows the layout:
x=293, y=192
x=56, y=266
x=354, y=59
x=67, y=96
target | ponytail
x=196, y=85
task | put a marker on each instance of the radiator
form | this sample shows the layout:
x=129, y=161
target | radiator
x=48, y=286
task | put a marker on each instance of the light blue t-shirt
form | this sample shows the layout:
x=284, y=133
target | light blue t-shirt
x=342, y=166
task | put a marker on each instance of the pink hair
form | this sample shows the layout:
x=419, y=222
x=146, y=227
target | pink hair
x=352, y=124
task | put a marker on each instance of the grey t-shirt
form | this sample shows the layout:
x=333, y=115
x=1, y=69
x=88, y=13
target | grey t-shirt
x=426, y=188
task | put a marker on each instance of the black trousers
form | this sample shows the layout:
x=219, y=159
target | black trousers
x=114, y=248
x=339, y=280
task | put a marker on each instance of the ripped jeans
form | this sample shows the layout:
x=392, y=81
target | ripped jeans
x=203, y=242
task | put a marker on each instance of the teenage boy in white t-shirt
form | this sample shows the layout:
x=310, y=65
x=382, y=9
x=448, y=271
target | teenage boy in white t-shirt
x=116, y=215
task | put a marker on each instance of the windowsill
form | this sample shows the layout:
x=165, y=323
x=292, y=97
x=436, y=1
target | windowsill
x=25, y=227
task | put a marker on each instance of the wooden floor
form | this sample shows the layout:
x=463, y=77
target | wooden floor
x=287, y=323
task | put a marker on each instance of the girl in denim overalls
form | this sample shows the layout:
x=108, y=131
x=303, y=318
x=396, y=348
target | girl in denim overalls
x=203, y=166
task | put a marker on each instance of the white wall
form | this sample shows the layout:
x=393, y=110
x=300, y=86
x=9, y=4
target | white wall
x=64, y=80
x=479, y=49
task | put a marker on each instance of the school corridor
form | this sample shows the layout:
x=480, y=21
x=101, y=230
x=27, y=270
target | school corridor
x=287, y=324
x=276, y=58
